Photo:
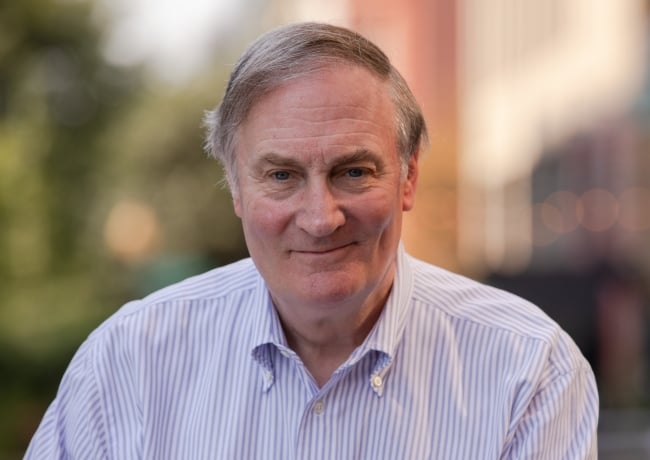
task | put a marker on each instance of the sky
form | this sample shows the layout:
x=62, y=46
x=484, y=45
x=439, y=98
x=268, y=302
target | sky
x=173, y=36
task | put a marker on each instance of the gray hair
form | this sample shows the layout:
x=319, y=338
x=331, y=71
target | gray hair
x=294, y=51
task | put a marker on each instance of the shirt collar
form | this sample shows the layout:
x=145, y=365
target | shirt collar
x=266, y=331
x=385, y=337
x=382, y=341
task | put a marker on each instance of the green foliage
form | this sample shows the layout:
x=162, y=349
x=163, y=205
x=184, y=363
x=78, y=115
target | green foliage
x=79, y=139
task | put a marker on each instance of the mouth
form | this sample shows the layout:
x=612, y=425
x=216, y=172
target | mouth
x=323, y=251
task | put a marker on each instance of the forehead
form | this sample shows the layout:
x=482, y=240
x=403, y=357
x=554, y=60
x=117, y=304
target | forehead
x=344, y=105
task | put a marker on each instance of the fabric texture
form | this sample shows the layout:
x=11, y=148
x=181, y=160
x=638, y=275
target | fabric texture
x=453, y=369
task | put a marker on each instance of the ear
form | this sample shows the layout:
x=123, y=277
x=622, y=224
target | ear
x=233, y=188
x=236, y=200
x=410, y=182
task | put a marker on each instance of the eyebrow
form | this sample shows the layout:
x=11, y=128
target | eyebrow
x=360, y=155
x=277, y=160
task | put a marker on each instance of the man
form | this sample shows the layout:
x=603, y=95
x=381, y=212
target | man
x=330, y=342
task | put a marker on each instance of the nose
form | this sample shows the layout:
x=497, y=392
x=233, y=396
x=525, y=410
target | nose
x=320, y=213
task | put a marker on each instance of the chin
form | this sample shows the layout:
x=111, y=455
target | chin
x=332, y=289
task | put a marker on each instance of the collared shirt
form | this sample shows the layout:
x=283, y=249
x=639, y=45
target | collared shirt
x=201, y=370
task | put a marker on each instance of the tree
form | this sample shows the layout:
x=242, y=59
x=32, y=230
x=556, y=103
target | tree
x=57, y=94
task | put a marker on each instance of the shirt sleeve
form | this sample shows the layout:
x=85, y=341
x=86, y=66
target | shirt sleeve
x=74, y=424
x=560, y=421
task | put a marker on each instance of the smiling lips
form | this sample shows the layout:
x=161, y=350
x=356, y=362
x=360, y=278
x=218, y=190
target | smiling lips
x=323, y=251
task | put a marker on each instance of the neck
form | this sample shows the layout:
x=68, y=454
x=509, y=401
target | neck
x=325, y=343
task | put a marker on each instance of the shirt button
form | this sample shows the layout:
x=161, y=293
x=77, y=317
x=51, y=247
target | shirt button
x=319, y=407
x=376, y=381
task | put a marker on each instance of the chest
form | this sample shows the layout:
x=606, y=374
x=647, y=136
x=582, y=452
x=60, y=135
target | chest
x=237, y=414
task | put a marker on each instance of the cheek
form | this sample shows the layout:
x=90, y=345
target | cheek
x=264, y=219
x=377, y=212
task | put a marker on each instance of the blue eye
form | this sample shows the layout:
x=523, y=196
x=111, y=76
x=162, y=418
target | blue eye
x=355, y=172
x=280, y=175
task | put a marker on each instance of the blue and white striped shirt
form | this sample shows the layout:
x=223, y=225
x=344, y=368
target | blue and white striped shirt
x=201, y=370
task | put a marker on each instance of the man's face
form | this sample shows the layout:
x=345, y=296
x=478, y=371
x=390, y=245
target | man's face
x=320, y=192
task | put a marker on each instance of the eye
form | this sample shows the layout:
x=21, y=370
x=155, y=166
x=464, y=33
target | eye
x=355, y=172
x=281, y=175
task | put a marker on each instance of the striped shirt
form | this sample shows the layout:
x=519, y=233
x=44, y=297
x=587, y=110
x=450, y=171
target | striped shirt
x=452, y=369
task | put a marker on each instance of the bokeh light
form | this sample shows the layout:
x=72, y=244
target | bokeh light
x=597, y=210
x=559, y=212
x=635, y=209
x=132, y=231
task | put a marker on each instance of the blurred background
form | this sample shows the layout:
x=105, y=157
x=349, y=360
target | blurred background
x=537, y=178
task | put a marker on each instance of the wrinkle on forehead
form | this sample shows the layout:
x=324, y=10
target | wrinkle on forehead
x=295, y=94
x=335, y=112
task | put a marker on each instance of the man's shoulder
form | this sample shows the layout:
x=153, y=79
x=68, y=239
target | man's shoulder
x=464, y=304
x=213, y=284
x=184, y=319
x=212, y=288
x=463, y=299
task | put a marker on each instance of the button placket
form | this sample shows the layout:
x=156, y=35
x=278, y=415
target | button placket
x=319, y=407
x=378, y=382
